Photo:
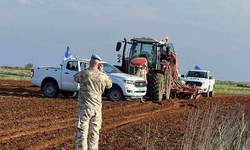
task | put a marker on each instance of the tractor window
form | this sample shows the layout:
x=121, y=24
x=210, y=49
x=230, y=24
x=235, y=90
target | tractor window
x=143, y=50
x=171, y=47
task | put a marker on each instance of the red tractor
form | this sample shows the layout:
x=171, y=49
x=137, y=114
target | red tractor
x=162, y=64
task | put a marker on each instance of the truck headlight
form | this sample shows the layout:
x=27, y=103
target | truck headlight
x=202, y=83
x=129, y=81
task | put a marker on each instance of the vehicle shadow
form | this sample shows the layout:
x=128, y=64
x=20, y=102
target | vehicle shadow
x=20, y=92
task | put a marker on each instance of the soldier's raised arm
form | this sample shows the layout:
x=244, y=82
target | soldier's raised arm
x=76, y=77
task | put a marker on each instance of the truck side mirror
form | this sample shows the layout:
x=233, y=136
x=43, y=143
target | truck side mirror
x=118, y=46
x=210, y=77
x=182, y=75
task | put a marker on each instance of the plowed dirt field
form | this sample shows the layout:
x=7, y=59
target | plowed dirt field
x=28, y=120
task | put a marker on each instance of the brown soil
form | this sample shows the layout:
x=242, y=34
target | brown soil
x=28, y=120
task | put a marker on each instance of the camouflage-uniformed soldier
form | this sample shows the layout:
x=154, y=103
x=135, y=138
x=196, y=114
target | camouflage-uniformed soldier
x=89, y=115
x=141, y=72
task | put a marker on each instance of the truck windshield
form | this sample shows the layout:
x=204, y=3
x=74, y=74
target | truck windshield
x=143, y=50
x=110, y=68
x=196, y=74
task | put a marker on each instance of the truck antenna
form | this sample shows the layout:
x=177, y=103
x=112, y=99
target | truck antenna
x=75, y=56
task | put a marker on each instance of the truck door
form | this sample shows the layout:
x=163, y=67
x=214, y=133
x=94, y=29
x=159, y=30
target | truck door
x=68, y=82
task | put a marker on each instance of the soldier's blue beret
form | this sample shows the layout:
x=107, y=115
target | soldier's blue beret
x=94, y=56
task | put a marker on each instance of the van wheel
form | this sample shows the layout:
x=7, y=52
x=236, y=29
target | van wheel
x=115, y=94
x=50, y=89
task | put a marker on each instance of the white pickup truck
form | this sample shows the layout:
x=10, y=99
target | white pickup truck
x=54, y=80
x=202, y=79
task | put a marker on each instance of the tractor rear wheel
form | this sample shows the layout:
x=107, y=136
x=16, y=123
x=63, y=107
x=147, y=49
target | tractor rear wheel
x=156, y=86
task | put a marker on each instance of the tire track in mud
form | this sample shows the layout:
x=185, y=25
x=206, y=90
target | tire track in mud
x=16, y=133
x=44, y=123
x=136, y=111
x=68, y=138
x=123, y=110
x=25, y=133
x=134, y=108
x=121, y=106
x=30, y=120
x=52, y=142
x=129, y=119
x=133, y=118
x=141, y=109
x=60, y=140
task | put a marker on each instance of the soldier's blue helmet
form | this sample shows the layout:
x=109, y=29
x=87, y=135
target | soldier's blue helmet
x=94, y=56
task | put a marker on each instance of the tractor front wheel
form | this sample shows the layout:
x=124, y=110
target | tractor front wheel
x=156, y=86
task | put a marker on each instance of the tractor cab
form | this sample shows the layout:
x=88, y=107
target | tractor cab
x=142, y=49
x=155, y=52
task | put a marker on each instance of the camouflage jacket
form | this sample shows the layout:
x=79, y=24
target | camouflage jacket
x=92, y=85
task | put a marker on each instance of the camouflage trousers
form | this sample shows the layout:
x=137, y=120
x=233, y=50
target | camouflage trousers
x=88, y=123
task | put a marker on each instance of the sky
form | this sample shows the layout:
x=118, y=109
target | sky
x=213, y=34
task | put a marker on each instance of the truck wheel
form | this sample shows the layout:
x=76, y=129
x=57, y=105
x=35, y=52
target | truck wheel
x=156, y=86
x=211, y=94
x=68, y=94
x=50, y=89
x=115, y=93
x=207, y=94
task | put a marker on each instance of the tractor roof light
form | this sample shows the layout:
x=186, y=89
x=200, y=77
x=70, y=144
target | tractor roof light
x=166, y=39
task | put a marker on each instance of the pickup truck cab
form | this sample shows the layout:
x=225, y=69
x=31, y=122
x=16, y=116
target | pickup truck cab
x=202, y=79
x=54, y=80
